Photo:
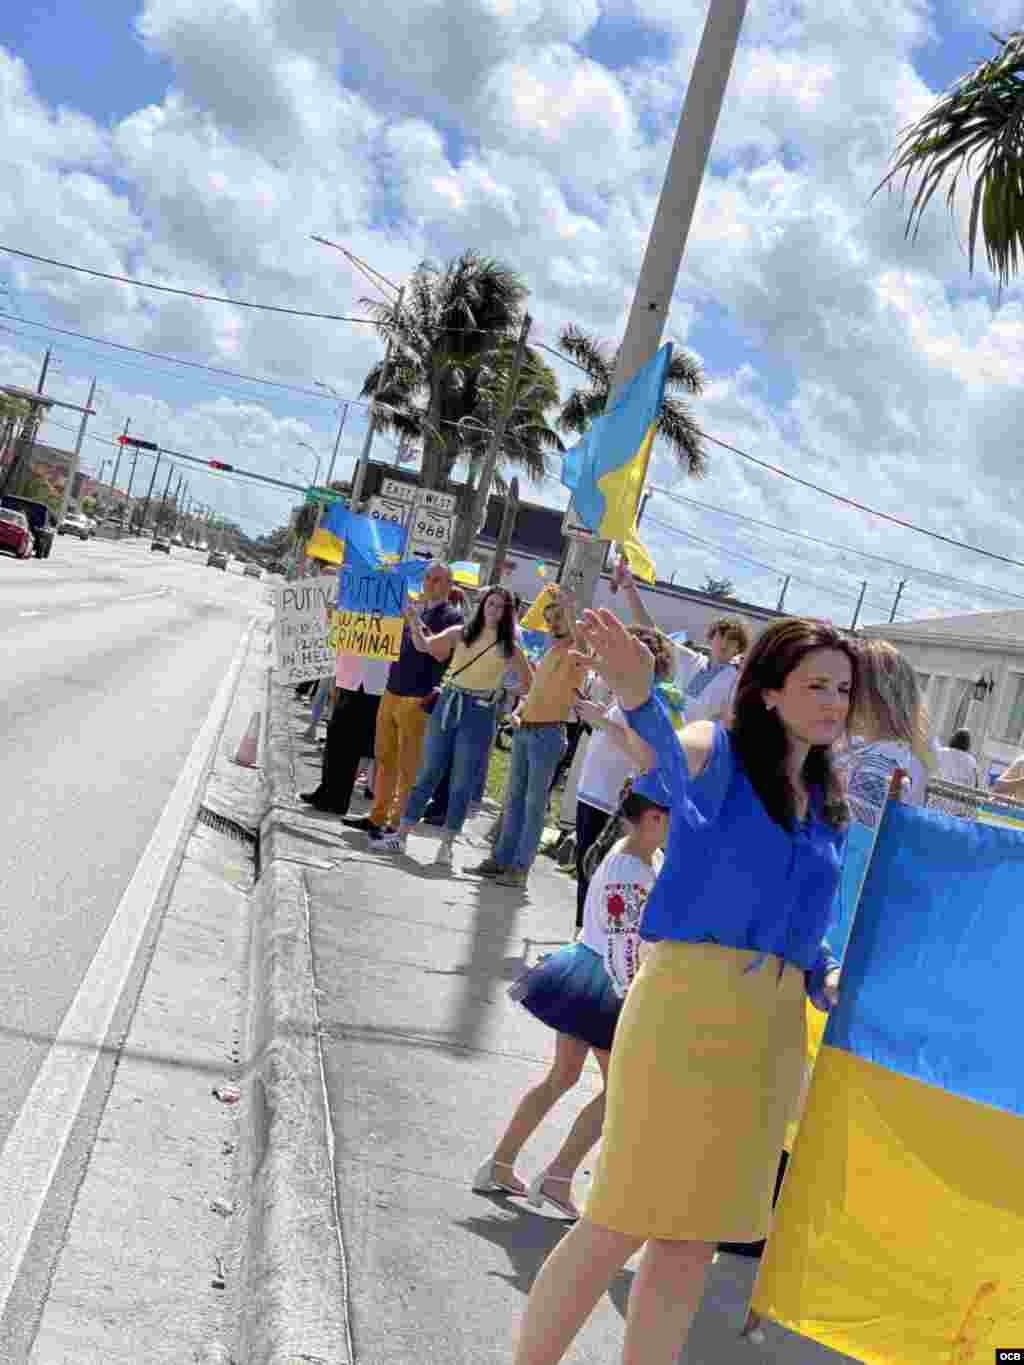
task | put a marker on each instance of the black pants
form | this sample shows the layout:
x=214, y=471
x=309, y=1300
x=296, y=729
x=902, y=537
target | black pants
x=574, y=731
x=589, y=823
x=350, y=735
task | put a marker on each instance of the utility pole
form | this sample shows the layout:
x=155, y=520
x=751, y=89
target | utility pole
x=69, y=482
x=899, y=594
x=860, y=603
x=149, y=492
x=782, y=594
x=163, y=500
x=117, y=466
x=337, y=444
x=585, y=559
x=476, y=512
x=42, y=372
x=359, y=478
x=508, y=523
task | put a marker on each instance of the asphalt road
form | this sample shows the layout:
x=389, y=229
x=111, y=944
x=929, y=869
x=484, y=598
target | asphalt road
x=111, y=658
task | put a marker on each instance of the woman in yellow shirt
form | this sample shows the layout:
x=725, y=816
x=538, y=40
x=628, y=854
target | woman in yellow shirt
x=464, y=717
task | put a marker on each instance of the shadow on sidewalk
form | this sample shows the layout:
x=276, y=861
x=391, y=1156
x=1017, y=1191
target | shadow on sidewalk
x=527, y=1242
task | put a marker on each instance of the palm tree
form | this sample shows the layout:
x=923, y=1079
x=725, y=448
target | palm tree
x=450, y=319
x=976, y=130
x=722, y=588
x=676, y=424
x=453, y=343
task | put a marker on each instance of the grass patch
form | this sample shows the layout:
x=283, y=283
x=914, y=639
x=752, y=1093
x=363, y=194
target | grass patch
x=497, y=782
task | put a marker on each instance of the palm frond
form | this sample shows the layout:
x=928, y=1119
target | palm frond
x=593, y=354
x=677, y=427
x=975, y=131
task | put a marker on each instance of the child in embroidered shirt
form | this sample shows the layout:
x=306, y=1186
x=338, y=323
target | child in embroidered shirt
x=578, y=992
x=625, y=862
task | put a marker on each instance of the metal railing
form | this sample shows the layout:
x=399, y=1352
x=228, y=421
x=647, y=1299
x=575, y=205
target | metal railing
x=972, y=803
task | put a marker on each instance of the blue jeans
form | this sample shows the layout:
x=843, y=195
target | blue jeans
x=460, y=734
x=536, y=751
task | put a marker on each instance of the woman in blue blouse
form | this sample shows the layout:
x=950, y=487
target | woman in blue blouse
x=709, y=1051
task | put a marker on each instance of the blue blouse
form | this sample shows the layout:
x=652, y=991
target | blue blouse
x=732, y=875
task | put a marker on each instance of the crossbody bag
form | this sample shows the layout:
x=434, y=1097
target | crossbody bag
x=430, y=700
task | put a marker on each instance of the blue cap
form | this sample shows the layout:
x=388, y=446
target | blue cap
x=651, y=785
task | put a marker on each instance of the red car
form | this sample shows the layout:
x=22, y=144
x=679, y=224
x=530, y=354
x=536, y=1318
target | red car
x=15, y=533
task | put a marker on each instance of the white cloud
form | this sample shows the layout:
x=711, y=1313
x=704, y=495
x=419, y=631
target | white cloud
x=418, y=128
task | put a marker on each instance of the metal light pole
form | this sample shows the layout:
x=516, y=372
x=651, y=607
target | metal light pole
x=117, y=462
x=337, y=443
x=359, y=478
x=585, y=558
x=313, y=451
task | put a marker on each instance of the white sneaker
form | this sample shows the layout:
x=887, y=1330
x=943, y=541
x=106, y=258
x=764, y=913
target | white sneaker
x=391, y=843
x=444, y=855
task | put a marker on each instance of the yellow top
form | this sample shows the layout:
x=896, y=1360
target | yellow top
x=487, y=673
x=554, y=685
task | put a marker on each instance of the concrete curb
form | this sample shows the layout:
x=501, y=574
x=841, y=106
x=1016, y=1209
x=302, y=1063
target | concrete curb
x=296, y=1307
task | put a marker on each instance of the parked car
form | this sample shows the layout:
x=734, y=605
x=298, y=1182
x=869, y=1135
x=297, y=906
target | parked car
x=161, y=543
x=40, y=519
x=178, y=540
x=74, y=525
x=217, y=559
x=15, y=533
x=252, y=570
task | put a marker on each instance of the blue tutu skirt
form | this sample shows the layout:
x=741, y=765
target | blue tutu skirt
x=570, y=991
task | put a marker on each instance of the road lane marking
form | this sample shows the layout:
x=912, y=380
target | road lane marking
x=35, y=1144
x=100, y=602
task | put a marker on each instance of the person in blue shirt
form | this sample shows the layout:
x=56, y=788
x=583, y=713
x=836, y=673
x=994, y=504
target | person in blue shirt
x=709, y=1051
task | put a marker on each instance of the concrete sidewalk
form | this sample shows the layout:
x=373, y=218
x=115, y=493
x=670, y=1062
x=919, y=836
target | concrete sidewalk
x=424, y=1057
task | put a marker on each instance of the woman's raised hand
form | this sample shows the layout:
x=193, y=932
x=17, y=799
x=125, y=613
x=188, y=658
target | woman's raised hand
x=623, y=661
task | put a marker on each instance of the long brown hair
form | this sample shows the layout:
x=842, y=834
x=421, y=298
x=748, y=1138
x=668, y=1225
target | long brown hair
x=890, y=705
x=758, y=735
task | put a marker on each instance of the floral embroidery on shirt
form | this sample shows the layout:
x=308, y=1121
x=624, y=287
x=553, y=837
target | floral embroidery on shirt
x=624, y=907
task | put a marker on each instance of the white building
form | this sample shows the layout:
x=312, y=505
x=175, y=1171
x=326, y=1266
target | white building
x=971, y=669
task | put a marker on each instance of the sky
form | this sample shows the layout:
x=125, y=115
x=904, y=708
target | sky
x=200, y=143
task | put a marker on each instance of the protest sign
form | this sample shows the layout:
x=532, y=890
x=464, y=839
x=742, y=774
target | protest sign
x=368, y=620
x=300, y=631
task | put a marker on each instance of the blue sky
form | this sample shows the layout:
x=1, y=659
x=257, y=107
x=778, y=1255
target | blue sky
x=200, y=145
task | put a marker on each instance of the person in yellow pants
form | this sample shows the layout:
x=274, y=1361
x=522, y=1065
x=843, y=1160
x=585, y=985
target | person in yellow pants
x=401, y=720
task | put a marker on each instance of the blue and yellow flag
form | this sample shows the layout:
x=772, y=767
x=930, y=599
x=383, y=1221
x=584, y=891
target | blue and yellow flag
x=367, y=620
x=899, y=1236
x=464, y=571
x=342, y=534
x=606, y=470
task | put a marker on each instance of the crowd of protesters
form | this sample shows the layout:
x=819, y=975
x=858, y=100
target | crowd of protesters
x=746, y=762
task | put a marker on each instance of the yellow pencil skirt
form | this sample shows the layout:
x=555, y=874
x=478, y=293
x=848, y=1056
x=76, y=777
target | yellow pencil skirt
x=705, y=1072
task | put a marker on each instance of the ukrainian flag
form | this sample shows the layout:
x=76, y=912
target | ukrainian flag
x=465, y=572
x=342, y=534
x=899, y=1236
x=607, y=469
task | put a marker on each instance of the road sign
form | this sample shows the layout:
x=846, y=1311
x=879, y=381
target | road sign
x=431, y=530
x=323, y=495
x=394, y=490
x=386, y=509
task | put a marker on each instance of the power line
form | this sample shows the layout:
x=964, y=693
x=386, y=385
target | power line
x=335, y=317
x=184, y=293
x=829, y=590
x=863, y=507
x=191, y=364
x=834, y=545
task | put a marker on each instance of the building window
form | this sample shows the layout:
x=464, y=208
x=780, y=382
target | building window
x=1013, y=730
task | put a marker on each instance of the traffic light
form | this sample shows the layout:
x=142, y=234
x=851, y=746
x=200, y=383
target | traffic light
x=219, y=464
x=137, y=443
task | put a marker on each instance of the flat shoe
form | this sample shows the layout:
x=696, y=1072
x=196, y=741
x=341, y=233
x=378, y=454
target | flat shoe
x=486, y=1179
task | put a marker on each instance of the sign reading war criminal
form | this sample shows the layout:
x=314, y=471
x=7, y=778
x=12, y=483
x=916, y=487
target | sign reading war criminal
x=368, y=619
x=300, y=630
